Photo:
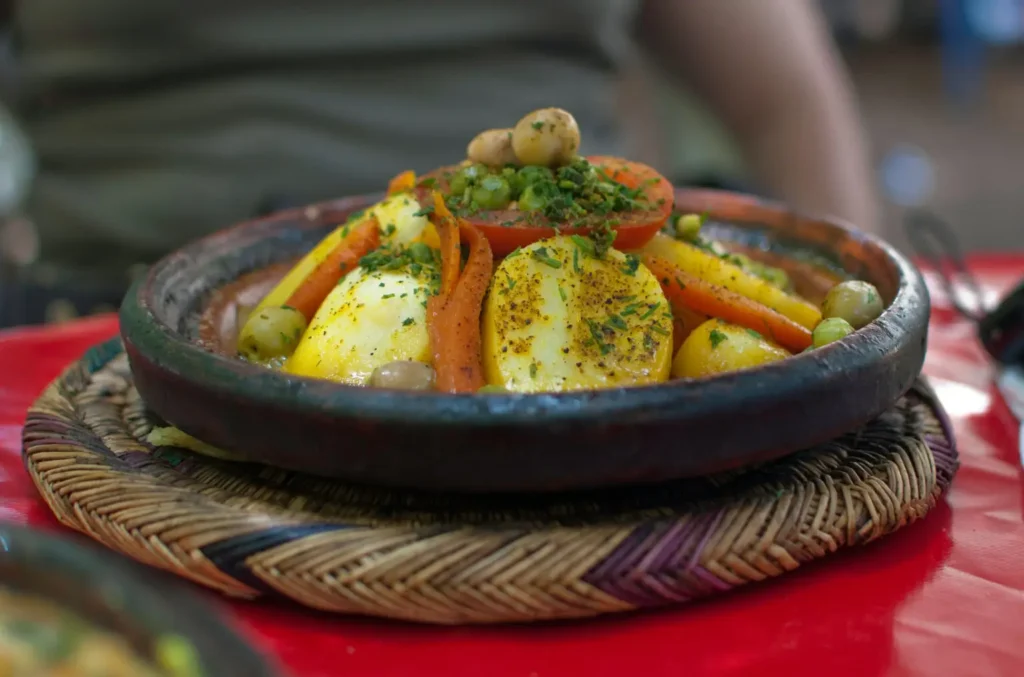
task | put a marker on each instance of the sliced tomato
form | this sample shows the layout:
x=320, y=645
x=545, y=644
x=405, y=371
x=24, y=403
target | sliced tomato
x=508, y=229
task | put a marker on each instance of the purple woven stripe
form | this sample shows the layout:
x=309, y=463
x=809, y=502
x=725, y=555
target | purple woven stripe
x=657, y=564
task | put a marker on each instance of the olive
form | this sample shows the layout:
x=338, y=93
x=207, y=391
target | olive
x=403, y=375
x=492, y=192
x=830, y=330
x=547, y=137
x=688, y=227
x=530, y=201
x=271, y=333
x=855, y=301
x=492, y=148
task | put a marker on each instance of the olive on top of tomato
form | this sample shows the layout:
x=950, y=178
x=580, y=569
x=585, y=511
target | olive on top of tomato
x=609, y=199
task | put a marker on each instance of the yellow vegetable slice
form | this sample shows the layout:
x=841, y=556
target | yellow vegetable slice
x=400, y=223
x=717, y=347
x=558, y=319
x=718, y=271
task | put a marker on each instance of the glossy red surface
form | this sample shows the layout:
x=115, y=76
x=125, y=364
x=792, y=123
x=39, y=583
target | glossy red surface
x=944, y=597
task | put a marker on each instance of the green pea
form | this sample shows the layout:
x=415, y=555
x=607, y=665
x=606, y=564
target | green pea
x=528, y=176
x=271, y=333
x=531, y=201
x=466, y=177
x=830, y=330
x=492, y=192
x=421, y=253
x=688, y=227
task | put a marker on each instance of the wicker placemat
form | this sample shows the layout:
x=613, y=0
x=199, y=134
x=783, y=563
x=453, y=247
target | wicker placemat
x=250, y=530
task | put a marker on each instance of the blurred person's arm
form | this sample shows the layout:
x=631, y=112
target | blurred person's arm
x=769, y=69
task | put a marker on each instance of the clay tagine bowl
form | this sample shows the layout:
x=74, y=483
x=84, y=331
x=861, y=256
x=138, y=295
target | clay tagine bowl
x=178, y=325
x=116, y=595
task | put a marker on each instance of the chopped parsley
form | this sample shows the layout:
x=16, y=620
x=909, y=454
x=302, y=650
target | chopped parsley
x=408, y=321
x=541, y=254
x=716, y=337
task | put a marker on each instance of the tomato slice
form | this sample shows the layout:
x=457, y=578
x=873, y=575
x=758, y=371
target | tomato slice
x=508, y=229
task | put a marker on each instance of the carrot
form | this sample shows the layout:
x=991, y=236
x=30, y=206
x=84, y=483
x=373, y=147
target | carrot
x=360, y=241
x=454, y=314
x=402, y=183
x=451, y=251
x=684, y=290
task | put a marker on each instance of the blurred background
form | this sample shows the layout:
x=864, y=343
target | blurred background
x=941, y=89
x=938, y=80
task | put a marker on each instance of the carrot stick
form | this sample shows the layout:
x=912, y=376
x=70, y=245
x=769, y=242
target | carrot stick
x=454, y=316
x=451, y=252
x=362, y=240
x=402, y=183
x=684, y=290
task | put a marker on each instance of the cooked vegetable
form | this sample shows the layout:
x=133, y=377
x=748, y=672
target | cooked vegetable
x=831, y=329
x=716, y=347
x=403, y=375
x=363, y=239
x=271, y=333
x=455, y=312
x=614, y=200
x=493, y=148
x=558, y=318
x=688, y=226
x=402, y=183
x=492, y=192
x=377, y=315
x=546, y=137
x=400, y=223
x=717, y=271
x=855, y=301
x=686, y=290
x=177, y=656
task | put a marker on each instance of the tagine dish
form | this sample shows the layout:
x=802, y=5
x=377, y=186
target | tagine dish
x=531, y=268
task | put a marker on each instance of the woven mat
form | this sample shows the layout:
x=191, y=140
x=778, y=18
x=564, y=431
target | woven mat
x=250, y=530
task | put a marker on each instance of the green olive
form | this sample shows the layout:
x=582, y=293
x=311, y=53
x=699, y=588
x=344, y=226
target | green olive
x=829, y=330
x=855, y=301
x=492, y=192
x=403, y=375
x=548, y=137
x=271, y=333
x=530, y=201
x=492, y=148
x=688, y=227
x=177, y=656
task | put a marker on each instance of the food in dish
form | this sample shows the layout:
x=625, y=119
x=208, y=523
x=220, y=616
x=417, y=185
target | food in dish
x=531, y=268
x=40, y=639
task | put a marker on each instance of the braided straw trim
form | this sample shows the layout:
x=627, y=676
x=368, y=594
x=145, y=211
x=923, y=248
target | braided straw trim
x=249, y=530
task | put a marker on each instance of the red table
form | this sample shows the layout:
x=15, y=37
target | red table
x=944, y=597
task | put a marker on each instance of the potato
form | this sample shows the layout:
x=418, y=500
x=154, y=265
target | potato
x=718, y=271
x=716, y=347
x=557, y=319
x=493, y=148
x=369, y=320
x=399, y=224
x=547, y=137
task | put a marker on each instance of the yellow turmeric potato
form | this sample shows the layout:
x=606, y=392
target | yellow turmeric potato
x=717, y=270
x=716, y=347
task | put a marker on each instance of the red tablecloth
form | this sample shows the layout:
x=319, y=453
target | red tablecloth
x=944, y=597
